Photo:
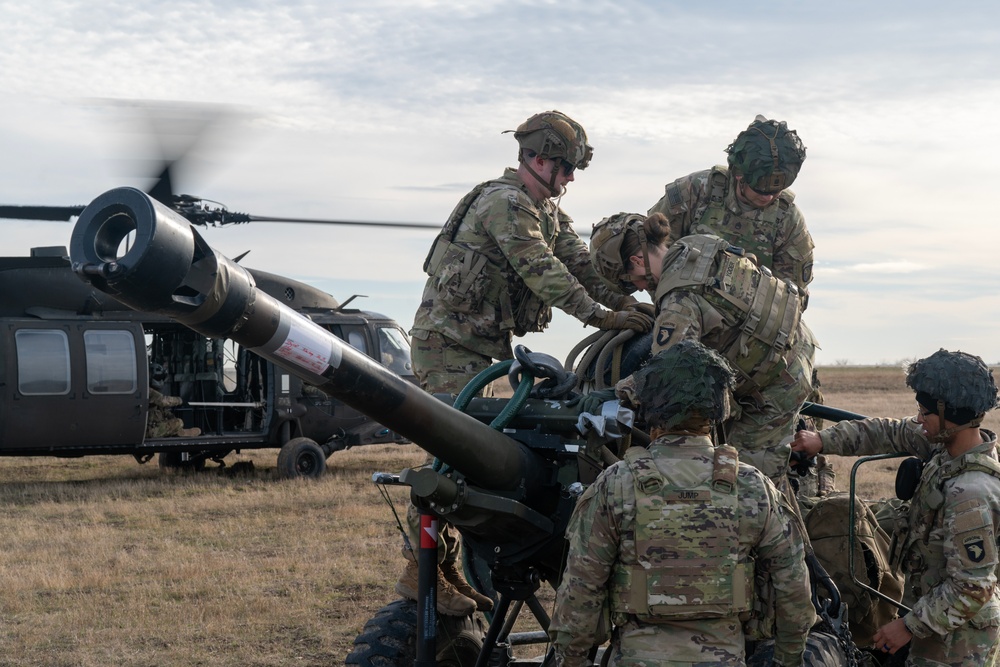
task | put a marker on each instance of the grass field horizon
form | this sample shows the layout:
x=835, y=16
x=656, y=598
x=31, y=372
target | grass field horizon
x=111, y=563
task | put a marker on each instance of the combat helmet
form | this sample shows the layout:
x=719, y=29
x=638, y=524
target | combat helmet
x=682, y=384
x=767, y=155
x=553, y=135
x=606, y=247
x=956, y=386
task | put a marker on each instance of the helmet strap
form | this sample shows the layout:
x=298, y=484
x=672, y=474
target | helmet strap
x=551, y=184
x=644, y=243
x=946, y=433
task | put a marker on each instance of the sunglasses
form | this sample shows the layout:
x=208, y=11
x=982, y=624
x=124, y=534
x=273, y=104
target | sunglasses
x=567, y=167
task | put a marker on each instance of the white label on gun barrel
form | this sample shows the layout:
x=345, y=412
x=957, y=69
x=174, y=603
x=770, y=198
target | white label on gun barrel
x=306, y=345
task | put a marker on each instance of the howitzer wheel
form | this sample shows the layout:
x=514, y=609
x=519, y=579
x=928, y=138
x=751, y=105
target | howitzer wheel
x=389, y=639
x=301, y=457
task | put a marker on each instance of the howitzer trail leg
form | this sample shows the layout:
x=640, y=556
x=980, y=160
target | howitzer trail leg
x=426, y=618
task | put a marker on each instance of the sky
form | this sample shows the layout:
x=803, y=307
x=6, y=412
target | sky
x=391, y=111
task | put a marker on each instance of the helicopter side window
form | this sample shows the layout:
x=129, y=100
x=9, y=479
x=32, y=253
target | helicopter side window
x=110, y=362
x=394, y=351
x=42, y=361
x=357, y=341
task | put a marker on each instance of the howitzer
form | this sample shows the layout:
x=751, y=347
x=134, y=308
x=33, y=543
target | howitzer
x=510, y=493
x=507, y=492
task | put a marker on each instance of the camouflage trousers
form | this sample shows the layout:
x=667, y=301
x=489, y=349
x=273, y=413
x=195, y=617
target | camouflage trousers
x=965, y=645
x=442, y=366
x=765, y=427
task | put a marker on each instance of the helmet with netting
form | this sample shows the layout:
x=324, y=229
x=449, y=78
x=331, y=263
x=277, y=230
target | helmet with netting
x=683, y=383
x=606, y=247
x=961, y=382
x=767, y=155
x=553, y=134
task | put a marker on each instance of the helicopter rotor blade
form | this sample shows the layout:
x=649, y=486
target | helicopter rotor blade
x=359, y=223
x=53, y=213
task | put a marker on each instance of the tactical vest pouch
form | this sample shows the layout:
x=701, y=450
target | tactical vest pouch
x=461, y=279
x=530, y=313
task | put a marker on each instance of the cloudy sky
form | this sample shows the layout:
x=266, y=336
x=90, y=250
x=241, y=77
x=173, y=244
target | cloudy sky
x=392, y=110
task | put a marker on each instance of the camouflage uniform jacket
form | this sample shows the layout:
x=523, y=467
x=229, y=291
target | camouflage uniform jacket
x=532, y=255
x=602, y=536
x=950, y=551
x=777, y=234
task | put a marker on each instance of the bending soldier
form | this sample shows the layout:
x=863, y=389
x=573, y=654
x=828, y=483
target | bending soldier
x=747, y=203
x=506, y=256
x=704, y=289
x=672, y=538
x=949, y=549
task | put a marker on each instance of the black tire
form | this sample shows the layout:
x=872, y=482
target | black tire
x=389, y=639
x=174, y=462
x=301, y=457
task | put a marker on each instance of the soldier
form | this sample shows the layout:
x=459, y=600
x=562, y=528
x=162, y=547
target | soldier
x=506, y=256
x=949, y=548
x=671, y=539
x=748, y=204
x=704, y=289
x=160, y=421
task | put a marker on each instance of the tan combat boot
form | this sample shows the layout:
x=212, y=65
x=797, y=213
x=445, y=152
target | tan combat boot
x=449, y=601
x=450, y=570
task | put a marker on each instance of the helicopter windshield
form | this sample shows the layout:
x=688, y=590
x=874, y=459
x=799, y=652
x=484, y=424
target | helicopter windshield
x=394, y=351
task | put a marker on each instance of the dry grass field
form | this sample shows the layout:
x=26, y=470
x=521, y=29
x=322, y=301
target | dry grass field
x=106, y=562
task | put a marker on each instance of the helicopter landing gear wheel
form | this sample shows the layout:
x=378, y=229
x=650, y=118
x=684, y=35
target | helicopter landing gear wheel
x=389, y=639
x=301, y=457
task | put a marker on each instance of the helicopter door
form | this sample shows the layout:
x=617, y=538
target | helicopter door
x=72, y=384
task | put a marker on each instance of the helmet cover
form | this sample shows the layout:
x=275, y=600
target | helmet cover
x=963, y=382
x=767, y=155
x=684, y=381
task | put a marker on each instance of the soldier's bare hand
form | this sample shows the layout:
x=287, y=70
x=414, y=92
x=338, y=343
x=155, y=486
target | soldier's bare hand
x=808, y=442
x=892, y=636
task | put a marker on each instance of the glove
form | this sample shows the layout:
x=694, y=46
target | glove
x=592, y=402
x=622, y=319
x=644, y=308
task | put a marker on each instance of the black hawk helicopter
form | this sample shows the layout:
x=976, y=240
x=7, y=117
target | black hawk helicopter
x=78, y=369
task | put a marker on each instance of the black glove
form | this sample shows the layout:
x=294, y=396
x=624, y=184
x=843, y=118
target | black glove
x=592, y=402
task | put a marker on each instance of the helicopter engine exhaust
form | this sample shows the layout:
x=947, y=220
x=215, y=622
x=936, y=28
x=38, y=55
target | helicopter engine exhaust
x=169, y=269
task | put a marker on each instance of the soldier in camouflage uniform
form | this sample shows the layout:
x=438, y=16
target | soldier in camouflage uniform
x=506, y=256
x=707, y=290
x=748, y=204
x=949, y=548
x=670, y=540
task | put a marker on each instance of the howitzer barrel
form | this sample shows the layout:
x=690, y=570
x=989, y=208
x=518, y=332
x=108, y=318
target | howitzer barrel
x=169, y=269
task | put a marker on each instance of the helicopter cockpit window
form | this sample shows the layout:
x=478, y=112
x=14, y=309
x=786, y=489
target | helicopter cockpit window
x=110, y=362
x=394, y=351
x=42, y=361
x=357, y=341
